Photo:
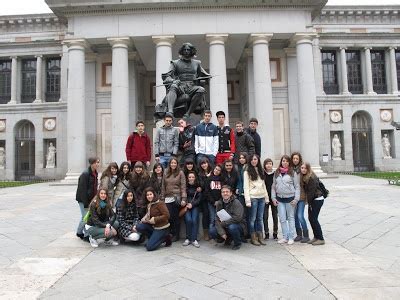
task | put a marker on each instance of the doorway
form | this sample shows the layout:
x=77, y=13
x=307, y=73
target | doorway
x=24, y=150
x=362, y=142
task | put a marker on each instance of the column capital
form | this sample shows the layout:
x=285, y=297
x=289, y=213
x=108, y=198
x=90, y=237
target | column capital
x=216, y=38
x=39, y=55
x=367, y=48
x=14, y=57
x=343, y=48
x=260, y=38
x=392, y=48
x=119, y=42
x=163, y=40
x=76, y=44
x=304, y=37
x=290, y=52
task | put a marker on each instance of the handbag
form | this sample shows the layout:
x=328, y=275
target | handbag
x=183, y=210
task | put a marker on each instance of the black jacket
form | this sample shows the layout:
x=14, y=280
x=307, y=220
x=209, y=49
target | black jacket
x=193, y=196
x=87, y=187
x=257, y=140
x=187, y=136
x=236, y=211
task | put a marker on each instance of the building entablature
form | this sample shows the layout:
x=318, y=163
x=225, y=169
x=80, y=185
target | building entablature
x=358, y=40
x=67, y=8
x=27, y=108
x=346, y=15
x=25, y=24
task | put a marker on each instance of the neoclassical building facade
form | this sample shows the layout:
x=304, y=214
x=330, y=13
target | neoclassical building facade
x=320, y=80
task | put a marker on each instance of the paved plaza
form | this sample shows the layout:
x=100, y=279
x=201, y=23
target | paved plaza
x=40, y=256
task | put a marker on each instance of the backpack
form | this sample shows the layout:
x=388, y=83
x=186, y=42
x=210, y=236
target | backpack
x=323, y=189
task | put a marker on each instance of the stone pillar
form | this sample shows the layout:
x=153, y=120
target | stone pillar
x=343, y=62
x=393, y=71
x=76, y=132
x=39, y=60
x=163, y=59
x=218, y=83
x=264, y=110
x=14, y=76
x=250, y=82
x=319, y=84
x=307, y=100
x=368, y=68
x=119, y=98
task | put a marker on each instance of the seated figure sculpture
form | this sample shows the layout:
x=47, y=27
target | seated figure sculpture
x=183, y=81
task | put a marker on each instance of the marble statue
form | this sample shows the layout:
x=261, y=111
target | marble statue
x=2, y=158
x=336, y=148
x=51, y=157
x=386, y=146
x=183, y=81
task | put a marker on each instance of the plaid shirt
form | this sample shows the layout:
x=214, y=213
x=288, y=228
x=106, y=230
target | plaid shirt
x=127, y=218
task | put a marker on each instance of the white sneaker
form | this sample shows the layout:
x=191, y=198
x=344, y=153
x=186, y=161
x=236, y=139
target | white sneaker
x=93, y=242
x=196, y=244
x=290, y=242
x=186, y=243
x=282, y=241
x=111, y=243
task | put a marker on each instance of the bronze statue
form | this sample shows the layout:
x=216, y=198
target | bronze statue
x=184, y=83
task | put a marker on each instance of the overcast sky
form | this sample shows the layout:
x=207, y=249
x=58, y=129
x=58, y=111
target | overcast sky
x=16, y=7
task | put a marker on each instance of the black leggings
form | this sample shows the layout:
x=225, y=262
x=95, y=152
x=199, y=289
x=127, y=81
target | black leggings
x=174, y=218
x=205, y=213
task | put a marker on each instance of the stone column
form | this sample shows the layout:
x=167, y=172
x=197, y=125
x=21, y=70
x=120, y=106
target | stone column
x=76, y=128
x=218, y=84
x=393, y=71
x=14, y=76
x=264, y=110
x=368, y=68
x=119, y=97
x=163, y=59
x=307, y=100
x=250, y=82
x=343, y=62
x=39, y=60
x=319, y=84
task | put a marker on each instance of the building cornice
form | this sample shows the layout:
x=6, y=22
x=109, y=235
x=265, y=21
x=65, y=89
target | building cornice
x=64, y=8
x=33, y=107
x=347, y=15
x=357, y=99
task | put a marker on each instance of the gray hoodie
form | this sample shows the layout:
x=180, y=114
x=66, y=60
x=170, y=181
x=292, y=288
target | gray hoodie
x=286, y=186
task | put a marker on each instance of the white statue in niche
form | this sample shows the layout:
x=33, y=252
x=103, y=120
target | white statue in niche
x=336, y=148
x=386, y=146
x=2, y=158
x=51, y=157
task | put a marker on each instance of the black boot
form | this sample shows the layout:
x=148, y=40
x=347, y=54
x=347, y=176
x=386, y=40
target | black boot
x=299, y=236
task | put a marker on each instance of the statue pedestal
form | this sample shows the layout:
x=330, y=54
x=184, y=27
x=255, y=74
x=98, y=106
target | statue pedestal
x=336, y=158
x=387, y=157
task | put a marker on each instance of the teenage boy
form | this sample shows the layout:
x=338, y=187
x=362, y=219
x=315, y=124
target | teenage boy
x=186, y=141
x=269, y=178
x=226, y=140
x=206, y=139
x=86, y=190
x=243, y=141
x=166, y=141
x=252, y=130
x=234, y=227
x=138, y=146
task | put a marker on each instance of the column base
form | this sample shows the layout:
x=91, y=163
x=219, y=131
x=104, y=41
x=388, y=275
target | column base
x=396, y=93
x=346, y=94
x=37, y=101
x=12, y=102
x=318, y=171
x=372, y=94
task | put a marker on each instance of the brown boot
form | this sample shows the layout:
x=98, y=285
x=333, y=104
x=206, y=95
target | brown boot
x=260, y=238
x=254, y=239
x=205, y=235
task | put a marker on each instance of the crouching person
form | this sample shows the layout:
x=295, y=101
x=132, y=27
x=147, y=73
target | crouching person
x=233, y=227
x=128, y=217
x=102, y=223
x=154, y=224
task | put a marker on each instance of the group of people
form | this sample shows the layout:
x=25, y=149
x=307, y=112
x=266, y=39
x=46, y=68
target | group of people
x=209, y=169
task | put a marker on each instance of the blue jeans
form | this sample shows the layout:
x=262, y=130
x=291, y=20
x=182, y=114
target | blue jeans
x=164, y=160
x=233, y=231
x=200, y=156
x=257, y=213
x=81, y=224
x=212, y=214
x=192, y=223
x=286, y=217
x=155, y=236
x=299, y=219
